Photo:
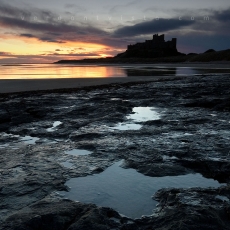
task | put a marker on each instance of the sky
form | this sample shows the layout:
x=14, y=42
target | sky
x=45, y=31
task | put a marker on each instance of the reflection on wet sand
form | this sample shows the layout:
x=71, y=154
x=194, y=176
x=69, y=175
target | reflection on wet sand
x=51, y=71
x=47, y=71
x=169, y=71
x=150, y=72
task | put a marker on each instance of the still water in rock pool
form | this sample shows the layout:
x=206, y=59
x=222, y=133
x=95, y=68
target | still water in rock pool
x=78, y=152
x=140, y=114
x=29, y=140
x=144, y=114
x=128, y=191
x=55, y=124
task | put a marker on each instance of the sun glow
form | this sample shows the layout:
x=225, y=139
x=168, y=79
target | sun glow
x=105, y=55
x=14, y=46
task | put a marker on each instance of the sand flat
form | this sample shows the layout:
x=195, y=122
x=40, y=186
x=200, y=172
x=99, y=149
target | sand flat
x=22, y=85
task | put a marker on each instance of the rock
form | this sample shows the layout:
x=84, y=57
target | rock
x=4, y=116
x=63, y=214
x=192, y=136
x=193, y=209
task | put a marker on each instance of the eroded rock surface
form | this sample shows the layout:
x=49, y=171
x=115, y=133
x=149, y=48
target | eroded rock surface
x=178, y=209
x=192, y=135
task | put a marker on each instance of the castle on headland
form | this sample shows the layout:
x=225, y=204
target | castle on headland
x=158, y=42
x=157, y=47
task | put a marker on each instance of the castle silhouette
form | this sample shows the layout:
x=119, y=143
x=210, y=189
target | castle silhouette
x=157, y=47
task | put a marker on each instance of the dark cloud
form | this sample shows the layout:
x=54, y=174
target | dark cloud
x=199, y=34
x=75, y=54
x=27, y=35
x=57, y=33
x=9, y=10
x=4, y=54
x=41, y=38
x=153, y=26
x=223, y=16
x=49, y=29
x=215, y=23
x=26, y=13
x=49, y=39
x=213, y=15
x=57, y=28
x=54, y=34
x=46, y=27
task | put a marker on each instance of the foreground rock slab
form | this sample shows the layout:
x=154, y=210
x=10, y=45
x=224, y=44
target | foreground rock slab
x=178, y=209
x=191, y=136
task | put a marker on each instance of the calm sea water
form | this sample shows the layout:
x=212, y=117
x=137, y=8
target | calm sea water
x=38, y=71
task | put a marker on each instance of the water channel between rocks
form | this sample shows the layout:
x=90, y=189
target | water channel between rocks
x=128, y=191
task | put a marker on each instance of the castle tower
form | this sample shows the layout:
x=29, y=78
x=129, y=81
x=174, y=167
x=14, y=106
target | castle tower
x=174, y=41
x=157, y=47
x=157, y=38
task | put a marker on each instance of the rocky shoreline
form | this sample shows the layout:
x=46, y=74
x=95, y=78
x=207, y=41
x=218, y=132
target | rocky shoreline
x=192, y=136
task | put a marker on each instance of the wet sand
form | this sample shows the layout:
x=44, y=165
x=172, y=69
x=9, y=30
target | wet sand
x=21, y=85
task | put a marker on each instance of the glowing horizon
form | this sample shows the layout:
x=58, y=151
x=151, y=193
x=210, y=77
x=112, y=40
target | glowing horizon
x=51, y=30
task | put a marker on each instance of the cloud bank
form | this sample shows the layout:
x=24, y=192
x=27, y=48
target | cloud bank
x=45, y=25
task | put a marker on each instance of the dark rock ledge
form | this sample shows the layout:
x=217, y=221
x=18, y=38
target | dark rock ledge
x=178, y=209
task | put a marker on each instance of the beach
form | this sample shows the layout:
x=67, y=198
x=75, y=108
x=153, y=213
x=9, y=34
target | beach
x=114, y=115
x=14, y=85
x=168, y=132
x=21, y=85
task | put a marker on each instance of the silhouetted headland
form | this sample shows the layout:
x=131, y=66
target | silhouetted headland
x=156, y=50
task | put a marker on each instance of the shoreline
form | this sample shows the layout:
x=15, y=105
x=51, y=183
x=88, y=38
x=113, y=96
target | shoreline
x=215, y=64
x=191, y=137
x=25, y=85
x=28, y=85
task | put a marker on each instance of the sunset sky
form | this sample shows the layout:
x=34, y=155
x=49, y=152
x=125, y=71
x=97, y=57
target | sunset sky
x=49, y=30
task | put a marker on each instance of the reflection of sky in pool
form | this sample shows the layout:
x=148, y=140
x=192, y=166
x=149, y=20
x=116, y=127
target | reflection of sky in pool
x=140, y=114
x=78, y=152
x=144, y=114
x=129, y=126
x=128, y=191
x=29, y=140
x=55, y=124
